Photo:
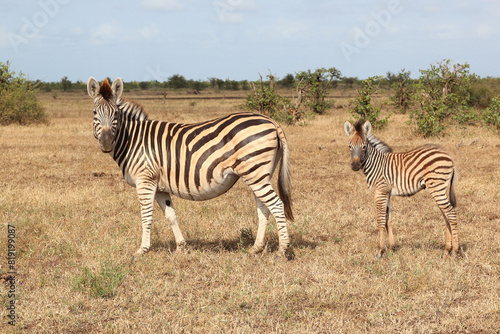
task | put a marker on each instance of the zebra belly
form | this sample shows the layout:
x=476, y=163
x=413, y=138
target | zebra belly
x=209, y=190
x=408, y=190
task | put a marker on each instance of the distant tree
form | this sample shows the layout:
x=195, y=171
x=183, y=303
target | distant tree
x=65, y=84
x=349, y=81
x=177, y=81
x=287, y=81
x=143, y=85
x=219, y=83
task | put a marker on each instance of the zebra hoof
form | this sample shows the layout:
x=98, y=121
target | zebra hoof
x=285, y=255
x=255, y=250
x=139, y=253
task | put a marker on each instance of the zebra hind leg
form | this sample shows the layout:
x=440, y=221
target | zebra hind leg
x=263, y=214
x=166, y=205
x=267, y=196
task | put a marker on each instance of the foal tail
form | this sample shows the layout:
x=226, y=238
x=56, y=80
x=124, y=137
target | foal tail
x=285, y=175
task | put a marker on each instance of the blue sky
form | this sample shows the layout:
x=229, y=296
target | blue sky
x=237, y=39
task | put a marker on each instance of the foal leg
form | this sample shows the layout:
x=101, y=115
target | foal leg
x=381, y=204
x=165, y=202
x=438, y=192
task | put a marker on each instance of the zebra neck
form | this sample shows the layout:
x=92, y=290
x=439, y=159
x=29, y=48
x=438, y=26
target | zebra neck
x=131, y=110
x=374, y=157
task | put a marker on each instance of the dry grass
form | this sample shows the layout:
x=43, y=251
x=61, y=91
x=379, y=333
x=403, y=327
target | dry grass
x=78, y=225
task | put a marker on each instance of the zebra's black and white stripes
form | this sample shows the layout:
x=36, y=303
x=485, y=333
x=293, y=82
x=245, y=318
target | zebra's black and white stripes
x=404, y=174
x=193, y=161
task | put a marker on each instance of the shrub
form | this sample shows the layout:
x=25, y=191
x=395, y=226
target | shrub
x=314, y=86
x=265, y=100
x=491, y=115
x=403, y=90
x=443, y=91
x=18, y=102
x=362, y=107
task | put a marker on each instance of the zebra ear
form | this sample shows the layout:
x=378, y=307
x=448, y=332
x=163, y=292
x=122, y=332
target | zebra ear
x=92, y=87
x=117, y=88
x=348, y=128
x=367, y=128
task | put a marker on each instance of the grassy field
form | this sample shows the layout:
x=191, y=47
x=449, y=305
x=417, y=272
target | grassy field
x=78, y=224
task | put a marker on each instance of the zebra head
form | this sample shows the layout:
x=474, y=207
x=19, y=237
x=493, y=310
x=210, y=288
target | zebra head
x=357, y=134
x=106, y=112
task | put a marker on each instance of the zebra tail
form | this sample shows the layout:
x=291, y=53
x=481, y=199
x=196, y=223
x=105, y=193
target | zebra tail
x=285, y=176
x=453, y=198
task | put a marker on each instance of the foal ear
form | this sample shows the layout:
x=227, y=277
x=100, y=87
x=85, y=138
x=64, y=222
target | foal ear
x=367, y=128
x=92, y=87
x=117, y=88
x=348, y=128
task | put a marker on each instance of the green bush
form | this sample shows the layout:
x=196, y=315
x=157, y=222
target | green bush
x=444, y=92
x=18, y=102
x=266, y=100
x=362, y=107
x=404, y=91
x=314, y=86
x=491, y=115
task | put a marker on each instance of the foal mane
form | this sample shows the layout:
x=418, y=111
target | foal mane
x=371, y=139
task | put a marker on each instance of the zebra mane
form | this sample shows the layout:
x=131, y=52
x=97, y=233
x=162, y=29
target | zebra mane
x=105, y=90
x=371, y=139
x=378, y=144
x=132, y=110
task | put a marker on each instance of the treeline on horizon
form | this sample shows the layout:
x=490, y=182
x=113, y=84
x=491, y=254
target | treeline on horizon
x=488, y=85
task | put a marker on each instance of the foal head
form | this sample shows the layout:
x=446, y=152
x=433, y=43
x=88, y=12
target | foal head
x=358, y=134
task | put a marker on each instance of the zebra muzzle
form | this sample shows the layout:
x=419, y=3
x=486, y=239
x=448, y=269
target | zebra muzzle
x=106, y=141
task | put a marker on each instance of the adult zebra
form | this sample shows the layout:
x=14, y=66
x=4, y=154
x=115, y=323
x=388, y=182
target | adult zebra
x=403, y=174
x=193, y=161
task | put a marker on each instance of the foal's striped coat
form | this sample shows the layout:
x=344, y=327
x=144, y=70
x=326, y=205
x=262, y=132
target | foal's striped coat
x=193, y=161
x=404, y=174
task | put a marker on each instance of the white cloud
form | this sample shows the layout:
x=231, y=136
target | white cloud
x=150, y=31
x=446, y=31
x=105, y=32
x=289, y=28
x=4, y=40
x=167, y=5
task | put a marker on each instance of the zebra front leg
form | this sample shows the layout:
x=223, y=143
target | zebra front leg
x=165, y=202
x=388, y=226
x=381, y=204
x=263, y=214
x=146, y=193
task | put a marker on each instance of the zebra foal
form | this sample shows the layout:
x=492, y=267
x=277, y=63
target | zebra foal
x=403, y=174
x=193, y=161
